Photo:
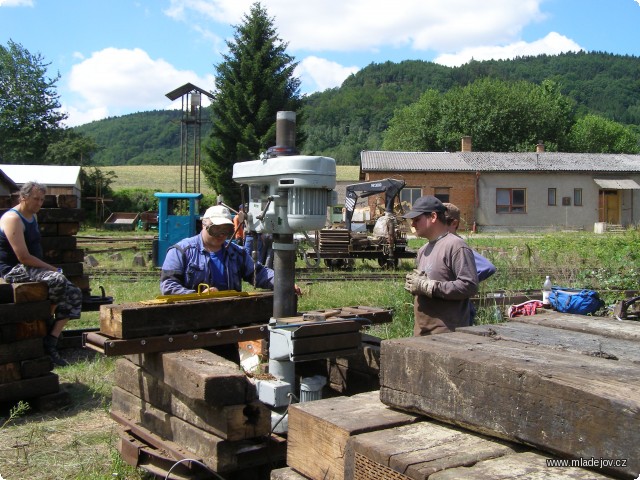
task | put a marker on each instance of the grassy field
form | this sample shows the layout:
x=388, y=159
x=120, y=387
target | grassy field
x=165, y=178
x=79, y=442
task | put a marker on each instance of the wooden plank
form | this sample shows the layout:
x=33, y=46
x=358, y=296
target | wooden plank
x=419, y=450
x=49, y=201
x=35, y=367
x=569, y=405
x=530, y=465
x=29, y=388
x=30, y=292
x=58, y=215
x=135, y=320
x=286, y=473
x=21, y=350
x=54, y=401
x=12, y=313
x=607, y=327
x=48, y=229
x=570, y=341
x=325, y=343
x=366, y=360
x=233, y=422
x=199, y=375
x=6, y=292
x=357, y=373
x=13, y=332
x=179, y=341
x=351, y=382
x=67, y=201
x=58, y=244
x=218, y=454
x=10, y=372
x=73, y=256
x=319, y=431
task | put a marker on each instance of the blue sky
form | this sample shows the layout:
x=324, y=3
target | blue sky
x=121, y=56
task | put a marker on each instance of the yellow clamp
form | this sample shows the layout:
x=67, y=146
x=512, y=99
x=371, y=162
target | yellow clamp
x=200, y=294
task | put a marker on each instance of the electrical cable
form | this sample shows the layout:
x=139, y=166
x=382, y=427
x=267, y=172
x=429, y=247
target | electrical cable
x=286, y=412
x=194, y=461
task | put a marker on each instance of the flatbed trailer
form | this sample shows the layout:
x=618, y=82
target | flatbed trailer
x=338, y=248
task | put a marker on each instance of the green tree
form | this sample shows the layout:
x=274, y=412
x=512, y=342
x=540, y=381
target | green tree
x=29, y=106
x=254, y=82
x=411, y=128
x=72, y=149
x=96, y=188
x=501, y=116
x=595, y=134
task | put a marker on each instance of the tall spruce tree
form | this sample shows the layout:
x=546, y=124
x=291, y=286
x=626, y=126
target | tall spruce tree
x=29, y=107
x=254, y=82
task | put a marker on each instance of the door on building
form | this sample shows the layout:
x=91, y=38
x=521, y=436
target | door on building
x=609, y=206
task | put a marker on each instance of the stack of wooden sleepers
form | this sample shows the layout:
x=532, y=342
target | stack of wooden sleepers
x=544, y=396
x=189, y=405
x=59, y=221
x=183, y=408
x=25, y=370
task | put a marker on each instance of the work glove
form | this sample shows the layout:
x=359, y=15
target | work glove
x=419, y=283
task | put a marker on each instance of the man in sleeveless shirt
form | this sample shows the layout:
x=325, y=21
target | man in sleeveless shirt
x=21, y=261
x=445, y=277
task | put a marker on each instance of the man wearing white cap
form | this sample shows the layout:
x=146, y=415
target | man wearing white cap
x=209, y=258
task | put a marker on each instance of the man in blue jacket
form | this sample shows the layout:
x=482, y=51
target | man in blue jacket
x=484, y=267
x=209, y=258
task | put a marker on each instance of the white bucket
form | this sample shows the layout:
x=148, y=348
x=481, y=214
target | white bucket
x=311, y=388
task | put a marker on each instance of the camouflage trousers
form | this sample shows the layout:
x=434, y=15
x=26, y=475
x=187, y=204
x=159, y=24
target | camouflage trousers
x=65, y=295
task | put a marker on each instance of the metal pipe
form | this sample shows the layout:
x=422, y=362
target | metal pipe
x=286, y=129
x=284, y=260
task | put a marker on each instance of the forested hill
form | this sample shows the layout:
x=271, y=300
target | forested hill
x=340, y=122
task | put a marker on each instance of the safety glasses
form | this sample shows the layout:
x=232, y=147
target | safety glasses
x=220, y=230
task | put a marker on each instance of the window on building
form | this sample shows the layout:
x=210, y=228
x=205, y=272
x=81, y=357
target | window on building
x=410, y=195
x=442, y=193
x=511, y=200
x=577, y=197
x=551, y=197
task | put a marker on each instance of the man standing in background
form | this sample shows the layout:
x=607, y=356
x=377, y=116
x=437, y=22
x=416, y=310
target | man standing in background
x=445, y=278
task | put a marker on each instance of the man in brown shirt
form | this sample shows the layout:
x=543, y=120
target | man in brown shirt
x=445, y=278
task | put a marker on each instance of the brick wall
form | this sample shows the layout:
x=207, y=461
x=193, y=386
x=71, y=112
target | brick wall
x=461, y=188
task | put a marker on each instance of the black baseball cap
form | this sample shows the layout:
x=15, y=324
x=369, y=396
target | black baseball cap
x=426, y=204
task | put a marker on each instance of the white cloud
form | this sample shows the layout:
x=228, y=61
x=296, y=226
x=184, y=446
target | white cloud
x=552, y=44
x=118, y=81
x=426, y=28
x=16, y=3
x=318, y=74
x=366, y=25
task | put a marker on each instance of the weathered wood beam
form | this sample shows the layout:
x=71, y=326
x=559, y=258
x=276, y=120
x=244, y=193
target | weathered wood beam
x=232, y=422
x=319, y=431
x=200, y=375
x=568, y=405
x=135, y=320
